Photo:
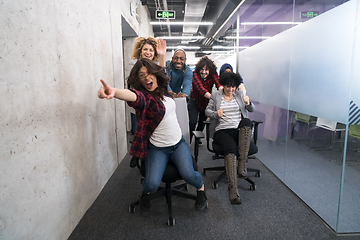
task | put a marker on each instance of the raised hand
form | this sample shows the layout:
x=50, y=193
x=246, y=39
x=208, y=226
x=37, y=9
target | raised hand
x=246, y=99
x=105, y=91
x=220, y=112
x=161, y=47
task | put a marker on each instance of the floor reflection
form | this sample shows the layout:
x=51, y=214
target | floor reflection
x=315, y=176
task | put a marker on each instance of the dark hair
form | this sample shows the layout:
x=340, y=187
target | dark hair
x=205, y=61
x=230, y=79
x=156, y=70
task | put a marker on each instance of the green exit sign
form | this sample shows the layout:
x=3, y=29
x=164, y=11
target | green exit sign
x=160, y=14
x=309, y=14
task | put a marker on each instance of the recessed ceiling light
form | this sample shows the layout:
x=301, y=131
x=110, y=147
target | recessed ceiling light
x=182, y=23
x=228, y=47
x=270, y=23
x=182, y=37
x=246, y=37
x=184, y=47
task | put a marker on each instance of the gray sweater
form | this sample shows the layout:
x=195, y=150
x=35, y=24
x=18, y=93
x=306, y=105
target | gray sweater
x=214, y=105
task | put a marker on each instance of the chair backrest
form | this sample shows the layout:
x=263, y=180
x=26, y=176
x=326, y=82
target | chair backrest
x=183, y=117
x=354, y=131
x=327, y=124
x=330, y=125
x=302, y=117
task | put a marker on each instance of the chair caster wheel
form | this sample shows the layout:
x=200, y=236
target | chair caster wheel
x=204, y=172
x=132, y=209
x=257, y=174
x=171, y=222
x=252, y=188
x=215, y=185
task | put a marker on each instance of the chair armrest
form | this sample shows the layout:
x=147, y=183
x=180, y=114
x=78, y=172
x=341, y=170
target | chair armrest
x=198, y=135
x=256, y=125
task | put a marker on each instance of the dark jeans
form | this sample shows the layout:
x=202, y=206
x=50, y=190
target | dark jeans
x=228, y=139
x=196, y=116
x=157, y=160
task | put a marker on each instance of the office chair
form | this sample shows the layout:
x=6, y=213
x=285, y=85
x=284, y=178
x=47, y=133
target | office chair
x=218, y=154
x=301, y=117
x=171, y=174
x=354, y=131
x=330, y=125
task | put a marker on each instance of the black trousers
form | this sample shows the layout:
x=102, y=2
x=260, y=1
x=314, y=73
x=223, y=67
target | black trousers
x=228, y=139
x=196, y=116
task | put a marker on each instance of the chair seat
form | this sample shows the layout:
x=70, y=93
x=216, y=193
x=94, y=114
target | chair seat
x=171, y=173
x=218, y=154
x=216, y=148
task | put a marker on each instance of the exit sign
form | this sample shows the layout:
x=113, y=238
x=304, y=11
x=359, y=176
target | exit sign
x=309, y=14
x=160, y=14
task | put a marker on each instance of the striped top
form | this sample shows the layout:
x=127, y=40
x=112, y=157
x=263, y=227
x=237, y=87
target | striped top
x=231, y=115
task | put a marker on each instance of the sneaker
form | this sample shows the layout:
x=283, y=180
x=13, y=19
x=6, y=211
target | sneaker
x=200, y=203
x=144, y=203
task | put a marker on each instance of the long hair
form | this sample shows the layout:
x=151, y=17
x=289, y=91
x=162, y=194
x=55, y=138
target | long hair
x=139, y=44
x=205, y=61
x=154, y=69
x=230, y=79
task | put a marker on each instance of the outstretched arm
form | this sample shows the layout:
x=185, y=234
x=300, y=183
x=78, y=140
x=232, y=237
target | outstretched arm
x=161, y=50
x=123, y=94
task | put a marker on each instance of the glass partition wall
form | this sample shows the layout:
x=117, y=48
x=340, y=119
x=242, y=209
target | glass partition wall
x=303, y=77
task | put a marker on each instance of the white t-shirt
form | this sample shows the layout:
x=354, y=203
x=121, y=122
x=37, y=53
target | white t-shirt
x=168, y=132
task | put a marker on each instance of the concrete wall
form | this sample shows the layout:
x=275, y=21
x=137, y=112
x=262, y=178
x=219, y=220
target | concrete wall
x=59, y=143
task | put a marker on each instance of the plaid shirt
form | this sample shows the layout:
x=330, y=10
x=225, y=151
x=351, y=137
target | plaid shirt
x=200, y=87
x=149, y=113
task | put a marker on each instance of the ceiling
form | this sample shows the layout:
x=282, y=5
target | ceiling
x=219, y=11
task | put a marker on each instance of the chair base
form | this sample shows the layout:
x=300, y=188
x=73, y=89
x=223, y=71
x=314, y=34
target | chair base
x=223, y=175
x=168, y=192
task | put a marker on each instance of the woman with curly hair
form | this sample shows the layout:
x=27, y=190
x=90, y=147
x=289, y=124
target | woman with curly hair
x=150, y=48
x=158, y=138
x=228, y=111
x=204, y=77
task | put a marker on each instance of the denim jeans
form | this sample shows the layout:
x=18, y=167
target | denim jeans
x=156, y=162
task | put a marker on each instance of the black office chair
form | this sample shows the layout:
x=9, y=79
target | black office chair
x=218, y=154
x=171, y=174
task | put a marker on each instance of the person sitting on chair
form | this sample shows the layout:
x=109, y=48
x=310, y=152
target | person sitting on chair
x=228, y=111
x=226, y=67
x=158, y=138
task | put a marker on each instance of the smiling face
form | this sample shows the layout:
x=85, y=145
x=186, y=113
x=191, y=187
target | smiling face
x=178, y=60
x=229, y=90
x=148, y=80
x=148, y=51
x=204, y=72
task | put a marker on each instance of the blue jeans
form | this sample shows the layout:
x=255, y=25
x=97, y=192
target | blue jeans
x=156, y=162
